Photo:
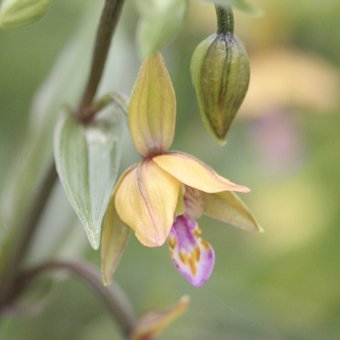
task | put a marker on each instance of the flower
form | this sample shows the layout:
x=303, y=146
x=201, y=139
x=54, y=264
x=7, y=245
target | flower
x=160, y=197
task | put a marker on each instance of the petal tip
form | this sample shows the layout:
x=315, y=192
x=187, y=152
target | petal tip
x=260, y=229
x=242, y=188
x=151, y=242
x=106, y=282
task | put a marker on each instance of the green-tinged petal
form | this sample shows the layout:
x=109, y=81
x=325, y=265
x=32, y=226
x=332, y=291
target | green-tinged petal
x=153, y=323
x=114, y=238
x=228, y=207
x=146, y=201
x=194, y=173
x=152, y=109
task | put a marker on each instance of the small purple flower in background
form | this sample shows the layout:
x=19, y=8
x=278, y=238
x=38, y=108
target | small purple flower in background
x=277, y=141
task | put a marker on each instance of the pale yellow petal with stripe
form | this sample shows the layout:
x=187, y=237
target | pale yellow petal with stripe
x=115, y=236
x=228, y=207
x=114, y=240
x=196, y=174
x=152, y=109
x=146, y=201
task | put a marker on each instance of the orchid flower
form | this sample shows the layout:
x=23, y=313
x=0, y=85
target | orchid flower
x=161, y=197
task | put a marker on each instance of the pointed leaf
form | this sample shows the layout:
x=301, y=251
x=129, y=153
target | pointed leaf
x=153, y=323
x=228, y=207
x=161, y=21
x=242, y=5
x=87, y=161
x=15, y=13
x=152, y=109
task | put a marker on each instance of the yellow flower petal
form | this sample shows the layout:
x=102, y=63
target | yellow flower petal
x=114, y=237
x=153, y=323
x=196, y=174
x=146, y=201
x=228, y=207
x=152, y=109
x=114, y=240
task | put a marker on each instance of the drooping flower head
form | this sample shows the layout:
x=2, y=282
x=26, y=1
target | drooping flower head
x=161, y=197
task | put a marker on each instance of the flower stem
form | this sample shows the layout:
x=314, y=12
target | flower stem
x=225, y=20
x=106, y=28
x=113, y=296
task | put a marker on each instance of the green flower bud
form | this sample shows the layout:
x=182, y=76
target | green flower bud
x=220, y=74
x=15, y=13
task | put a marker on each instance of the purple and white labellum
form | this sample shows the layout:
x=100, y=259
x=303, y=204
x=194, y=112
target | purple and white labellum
x=193, y=257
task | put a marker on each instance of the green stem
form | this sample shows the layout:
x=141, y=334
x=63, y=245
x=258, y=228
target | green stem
x=113, y=296
x=106, y=29
x=225, y=20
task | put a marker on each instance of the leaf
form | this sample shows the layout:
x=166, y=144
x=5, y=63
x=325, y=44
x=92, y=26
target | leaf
x=161, y=21
x=228, y=207
x=87, y=161
x=16, y=13
x=242, y=5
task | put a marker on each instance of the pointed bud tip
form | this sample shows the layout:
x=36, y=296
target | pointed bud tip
x=220, y=75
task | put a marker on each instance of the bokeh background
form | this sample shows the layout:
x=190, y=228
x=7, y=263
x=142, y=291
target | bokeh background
x=284, y=144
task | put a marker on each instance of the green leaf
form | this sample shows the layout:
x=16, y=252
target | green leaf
x=16, y=13
x=228, y=207
x=161, y=21
x=87, y=160
x=242, y=5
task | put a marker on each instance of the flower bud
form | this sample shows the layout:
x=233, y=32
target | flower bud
x=220, y=74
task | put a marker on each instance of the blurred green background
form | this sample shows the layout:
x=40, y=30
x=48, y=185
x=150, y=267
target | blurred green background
x=284, y=144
